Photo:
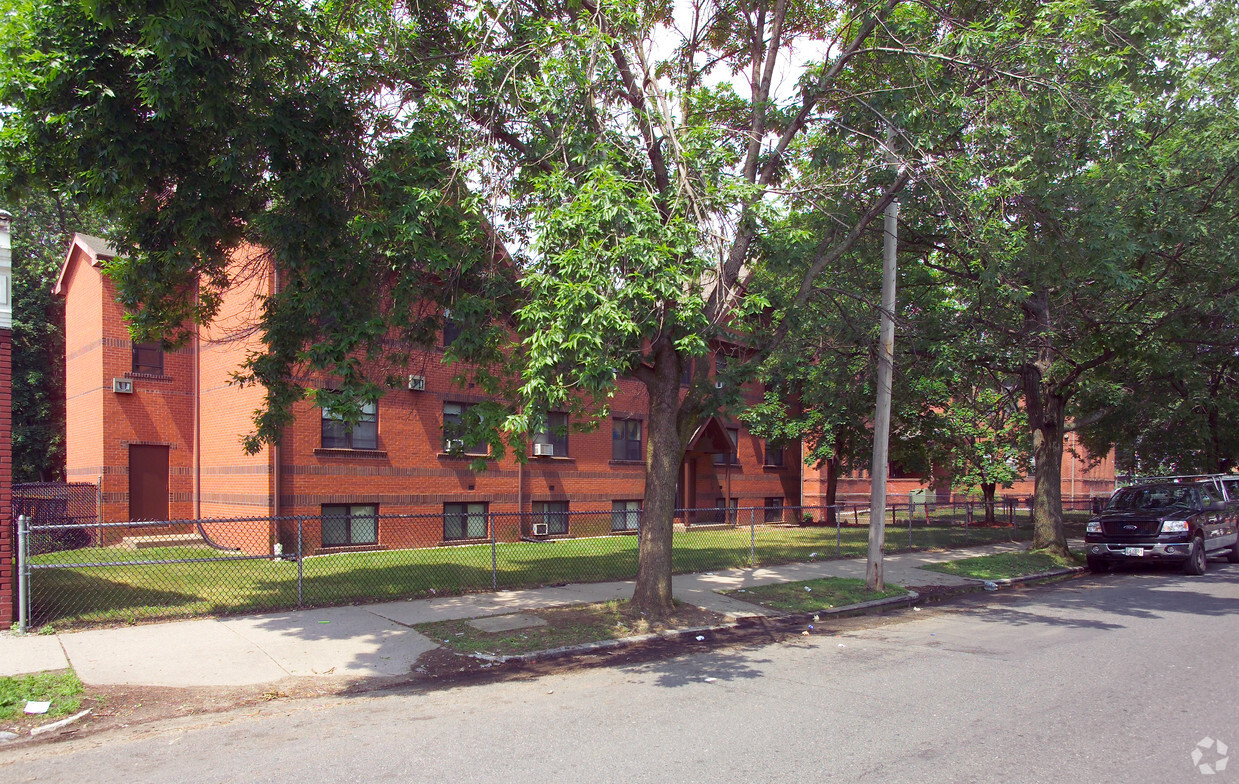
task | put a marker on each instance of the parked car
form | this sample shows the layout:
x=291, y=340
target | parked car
x=1164, y=521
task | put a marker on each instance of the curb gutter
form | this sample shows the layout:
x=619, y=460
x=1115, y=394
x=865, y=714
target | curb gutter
x=1028, y=578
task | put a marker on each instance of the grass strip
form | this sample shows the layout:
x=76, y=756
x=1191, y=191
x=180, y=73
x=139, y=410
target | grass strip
x=560, y=626
x=62, y=688
x=1004, y=566
x=803, y=596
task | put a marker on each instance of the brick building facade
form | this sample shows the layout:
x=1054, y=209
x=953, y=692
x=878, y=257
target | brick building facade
x=161, y=431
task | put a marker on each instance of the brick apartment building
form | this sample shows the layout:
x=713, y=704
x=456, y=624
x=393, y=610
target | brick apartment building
x=161, y=432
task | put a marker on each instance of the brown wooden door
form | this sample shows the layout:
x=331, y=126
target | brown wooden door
x=148, y=482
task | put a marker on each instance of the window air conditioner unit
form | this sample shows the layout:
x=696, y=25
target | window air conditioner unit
x=417, y=383
x=455, y=445
x=122, y=386
x=719, y=385
x=541, y=529
x=543, y=450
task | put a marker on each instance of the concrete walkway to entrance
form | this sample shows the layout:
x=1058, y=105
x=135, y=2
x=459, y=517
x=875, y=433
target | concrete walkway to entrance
x=377, y=639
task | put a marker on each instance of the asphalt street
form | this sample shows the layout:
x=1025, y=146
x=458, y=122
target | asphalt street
x=1099, y=679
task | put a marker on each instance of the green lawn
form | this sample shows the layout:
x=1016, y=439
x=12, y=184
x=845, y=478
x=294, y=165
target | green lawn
x=807, y=596
x=62, y=689
x=1004, y=566
x=121, y=593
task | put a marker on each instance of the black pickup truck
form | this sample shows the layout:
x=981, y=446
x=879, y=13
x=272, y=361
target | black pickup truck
x=1182, y=522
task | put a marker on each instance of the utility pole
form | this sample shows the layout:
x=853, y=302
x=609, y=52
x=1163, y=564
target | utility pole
x=886, y=372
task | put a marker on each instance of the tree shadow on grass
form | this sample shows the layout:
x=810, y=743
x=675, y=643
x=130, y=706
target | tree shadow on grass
x=70, y=597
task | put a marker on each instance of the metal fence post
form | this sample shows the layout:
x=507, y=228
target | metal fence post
x=967, y=519
x=23, y=575
x=752, y=538
x=494, y=556
x=300, y=571
x=838, y=542
x=909, y=524
x=99, y=511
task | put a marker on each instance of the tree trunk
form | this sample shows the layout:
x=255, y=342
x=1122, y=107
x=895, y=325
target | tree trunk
x=987, y=500
x=1047, y=508
x=831, y=515
x=1046, y=405
x=664, y=453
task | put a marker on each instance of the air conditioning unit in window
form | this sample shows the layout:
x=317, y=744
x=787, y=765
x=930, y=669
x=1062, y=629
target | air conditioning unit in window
x=543, y=450
x=541, y=529
x=454, y=445
x=122, y=386
x=719, y=385
x=417, y=383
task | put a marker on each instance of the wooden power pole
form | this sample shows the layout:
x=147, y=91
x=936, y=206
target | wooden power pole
x=886, y=372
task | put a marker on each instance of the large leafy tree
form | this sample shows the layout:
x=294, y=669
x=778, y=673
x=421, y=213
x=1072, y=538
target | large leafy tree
x=646, y=149
x=1084, y=224
x=621, y=159
x=201, y=127
x=42, y=224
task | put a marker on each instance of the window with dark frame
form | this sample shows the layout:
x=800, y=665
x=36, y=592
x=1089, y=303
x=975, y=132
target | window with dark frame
x=553, y=513
x=733, y=434
x=774, y=455
x=556, y=433
x=625, y=515
x=774, y=509
x=337, y=434
x=148, y=358
x=350, y=524
x=726, y=512
x=626, y=439
x=465, y=521
x=451, y=329
x=454, y=431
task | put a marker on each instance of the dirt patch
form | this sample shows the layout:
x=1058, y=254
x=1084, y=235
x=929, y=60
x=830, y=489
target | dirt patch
x=558, y=627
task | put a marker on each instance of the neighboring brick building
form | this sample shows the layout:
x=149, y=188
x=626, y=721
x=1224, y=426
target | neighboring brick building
x=1083, y=479
x=7, y=573
x=162, y=432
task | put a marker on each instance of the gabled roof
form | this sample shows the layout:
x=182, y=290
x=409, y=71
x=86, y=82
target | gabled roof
x=710, y=438
x=96, y=249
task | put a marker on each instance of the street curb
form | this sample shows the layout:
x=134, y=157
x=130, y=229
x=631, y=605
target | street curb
x=1007, y=582
x=700, y=633
x=56, y=725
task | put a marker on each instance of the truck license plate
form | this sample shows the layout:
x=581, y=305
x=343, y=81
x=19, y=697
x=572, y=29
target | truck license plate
x=1136, y=551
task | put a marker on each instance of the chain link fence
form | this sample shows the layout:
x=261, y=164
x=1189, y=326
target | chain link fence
x=138, y=571
x=69, y=510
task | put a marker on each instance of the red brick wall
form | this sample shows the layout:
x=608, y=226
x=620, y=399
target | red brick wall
x=102, y=424
x=1081, y=479
x=233, y=483
x=82, y=288
x=7, y=573
x=407, y=474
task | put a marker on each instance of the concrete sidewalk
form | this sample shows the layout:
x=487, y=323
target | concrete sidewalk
x=377, y=639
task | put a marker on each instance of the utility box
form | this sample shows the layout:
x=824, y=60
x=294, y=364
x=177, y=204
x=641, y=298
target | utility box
x=917, y=500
